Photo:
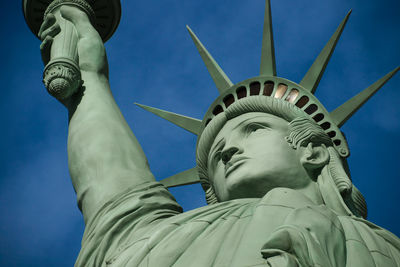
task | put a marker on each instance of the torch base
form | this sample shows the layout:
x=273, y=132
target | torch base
x=62, y=78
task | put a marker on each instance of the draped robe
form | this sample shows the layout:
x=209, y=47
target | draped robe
x=144, y=226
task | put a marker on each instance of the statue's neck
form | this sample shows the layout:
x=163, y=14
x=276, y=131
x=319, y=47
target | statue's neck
x=312, y=192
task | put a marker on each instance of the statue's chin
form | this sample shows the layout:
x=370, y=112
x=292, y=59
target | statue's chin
x=245, y=186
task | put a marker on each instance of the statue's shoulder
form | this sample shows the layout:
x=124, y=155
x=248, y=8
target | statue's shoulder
x=381, y=245
x=383, y=233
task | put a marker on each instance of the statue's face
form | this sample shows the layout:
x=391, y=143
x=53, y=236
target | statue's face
x=250, y=156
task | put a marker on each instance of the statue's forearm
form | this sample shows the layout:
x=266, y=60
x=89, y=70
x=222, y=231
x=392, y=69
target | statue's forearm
x=104, y=156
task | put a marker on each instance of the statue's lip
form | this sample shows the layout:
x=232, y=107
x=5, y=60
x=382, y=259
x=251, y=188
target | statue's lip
x=233, y=164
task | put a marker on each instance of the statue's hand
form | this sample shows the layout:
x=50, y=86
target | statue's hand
x=91, y=51
x=48, y=30
x=311, y=236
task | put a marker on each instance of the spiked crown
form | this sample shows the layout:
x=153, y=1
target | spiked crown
x=268, y=84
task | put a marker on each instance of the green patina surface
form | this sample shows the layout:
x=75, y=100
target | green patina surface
x=270, y=157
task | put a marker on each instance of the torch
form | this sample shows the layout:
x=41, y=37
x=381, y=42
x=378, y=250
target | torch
x=61, y=75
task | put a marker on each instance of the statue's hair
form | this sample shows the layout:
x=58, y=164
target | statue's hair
x=353, y=198
x=302, y=131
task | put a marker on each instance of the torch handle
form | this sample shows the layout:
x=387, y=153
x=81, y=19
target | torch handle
x=62, y=76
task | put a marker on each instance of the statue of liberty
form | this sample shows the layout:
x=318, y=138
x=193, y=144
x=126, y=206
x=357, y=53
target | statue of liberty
x=270, y=158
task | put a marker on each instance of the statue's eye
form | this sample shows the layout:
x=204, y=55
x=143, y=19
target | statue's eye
x=254, y=127
x=217, y=156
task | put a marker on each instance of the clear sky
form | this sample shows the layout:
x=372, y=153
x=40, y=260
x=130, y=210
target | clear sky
x=153, y=61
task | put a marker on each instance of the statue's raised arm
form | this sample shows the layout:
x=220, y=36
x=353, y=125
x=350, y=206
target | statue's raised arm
x=103, y=154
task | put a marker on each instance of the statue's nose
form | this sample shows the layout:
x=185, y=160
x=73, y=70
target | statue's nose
x=227, y=154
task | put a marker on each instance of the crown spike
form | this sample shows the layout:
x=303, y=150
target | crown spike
x=183, y=178
x=313, y=76
x=268, y=66
x=220, y=79
x=190, y=124
x=341, y=114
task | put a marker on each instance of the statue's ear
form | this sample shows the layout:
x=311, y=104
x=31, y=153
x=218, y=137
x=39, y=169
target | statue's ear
x=314, y=156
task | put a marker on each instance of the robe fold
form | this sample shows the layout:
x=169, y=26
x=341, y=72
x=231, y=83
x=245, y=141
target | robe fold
x=145, y=226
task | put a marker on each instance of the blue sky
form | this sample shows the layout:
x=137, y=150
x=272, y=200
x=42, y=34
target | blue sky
x=153, y=61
